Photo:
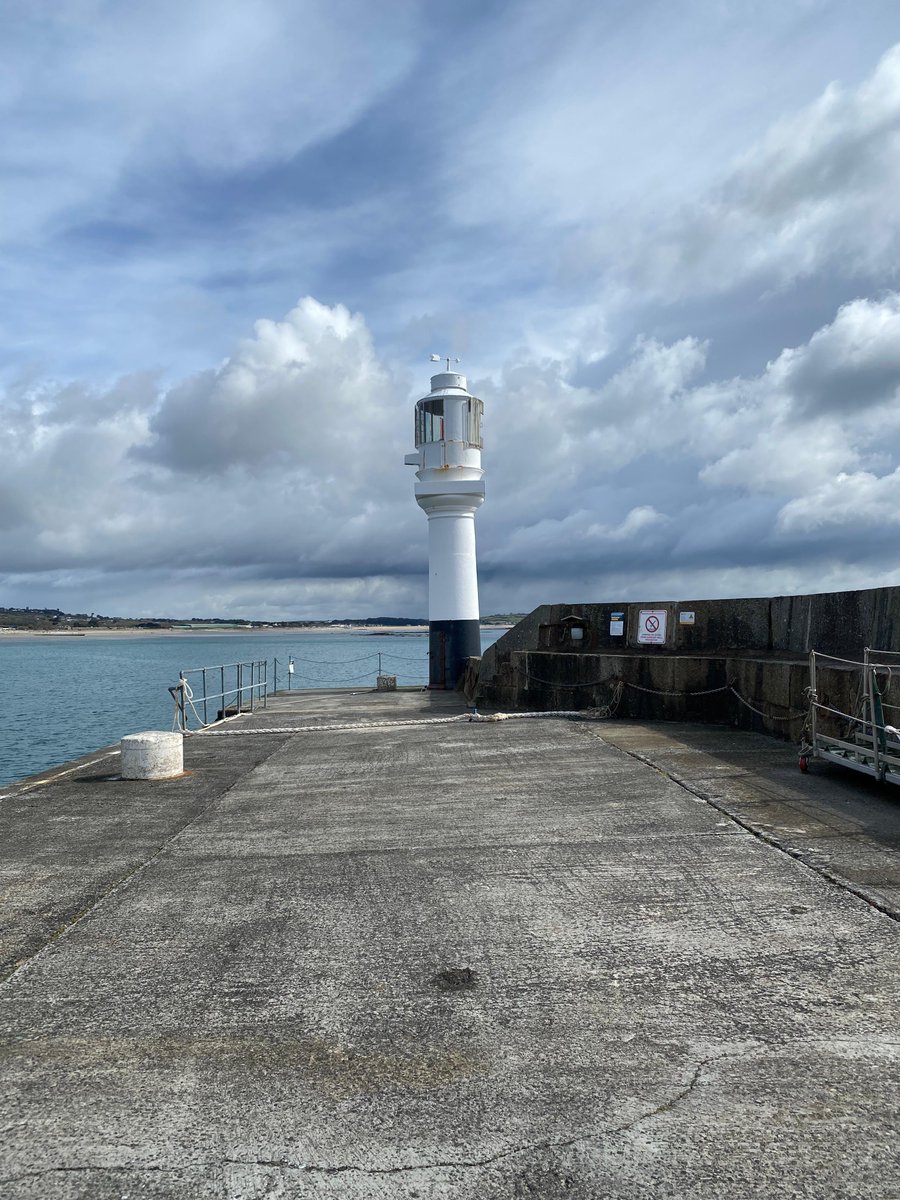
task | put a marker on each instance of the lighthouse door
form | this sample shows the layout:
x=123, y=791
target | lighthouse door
x=437, y=654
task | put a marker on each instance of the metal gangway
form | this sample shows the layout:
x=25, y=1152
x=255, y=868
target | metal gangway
x=864, y=739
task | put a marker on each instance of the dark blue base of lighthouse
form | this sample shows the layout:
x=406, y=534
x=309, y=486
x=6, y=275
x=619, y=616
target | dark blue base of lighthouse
x=450, y=644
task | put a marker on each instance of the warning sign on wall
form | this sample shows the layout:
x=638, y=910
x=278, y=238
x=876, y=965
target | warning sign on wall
x=652, y=627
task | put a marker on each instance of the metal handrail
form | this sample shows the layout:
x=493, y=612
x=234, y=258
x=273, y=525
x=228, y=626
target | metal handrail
x=223, y=666
x=189, y=702
x=192, y=695
x=871, y=727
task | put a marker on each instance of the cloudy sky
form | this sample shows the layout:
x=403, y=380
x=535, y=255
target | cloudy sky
x=663, y=238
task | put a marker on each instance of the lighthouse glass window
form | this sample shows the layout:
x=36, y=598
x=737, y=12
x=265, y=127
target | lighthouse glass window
x=429, y=421
x=476, y=409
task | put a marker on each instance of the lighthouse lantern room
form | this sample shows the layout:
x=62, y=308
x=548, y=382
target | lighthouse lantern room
x=450, y=488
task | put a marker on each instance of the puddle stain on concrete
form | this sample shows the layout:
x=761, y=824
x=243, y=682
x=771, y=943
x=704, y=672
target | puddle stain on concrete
x=338, y=1069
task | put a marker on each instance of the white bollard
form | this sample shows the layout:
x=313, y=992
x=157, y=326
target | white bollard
x=152, y=755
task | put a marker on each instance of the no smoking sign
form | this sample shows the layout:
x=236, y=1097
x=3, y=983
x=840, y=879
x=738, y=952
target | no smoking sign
x=652, y=627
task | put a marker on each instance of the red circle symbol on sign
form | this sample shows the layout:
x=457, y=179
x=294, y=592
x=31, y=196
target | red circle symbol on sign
x=651, y=624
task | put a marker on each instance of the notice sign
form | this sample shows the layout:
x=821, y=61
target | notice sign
x=685, y=618
x=616, y=624
x=652, y=627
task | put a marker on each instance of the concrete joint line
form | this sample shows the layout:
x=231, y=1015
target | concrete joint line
x=118, y=885
x=48, y=777
x=720, y=806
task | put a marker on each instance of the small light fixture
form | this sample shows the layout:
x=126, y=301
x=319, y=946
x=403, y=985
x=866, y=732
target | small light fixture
x=576, y=633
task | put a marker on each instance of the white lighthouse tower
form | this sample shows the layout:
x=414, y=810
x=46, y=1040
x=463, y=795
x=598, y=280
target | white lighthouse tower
x=450, y=489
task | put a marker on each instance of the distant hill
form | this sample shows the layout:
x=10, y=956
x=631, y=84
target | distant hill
x=55, y=618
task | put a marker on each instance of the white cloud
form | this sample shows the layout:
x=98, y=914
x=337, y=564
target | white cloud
x=817, y=191
x=286, y=461
x=552, y=436
x=275, y=481
x=742, y=468
x=557, y=187
x=849, y=501
x=308, y=390
x=215, y=84
x=603, y=109
x=851, y=364
x=817, y=412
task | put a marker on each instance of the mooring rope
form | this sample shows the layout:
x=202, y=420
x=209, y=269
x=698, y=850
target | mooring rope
x=794, y=715
x=586, y=714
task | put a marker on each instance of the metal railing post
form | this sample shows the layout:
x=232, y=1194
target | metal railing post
x=205, y=713
x=870, y=681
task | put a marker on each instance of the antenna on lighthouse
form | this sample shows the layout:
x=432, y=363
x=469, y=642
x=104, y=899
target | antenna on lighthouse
x=444, y=358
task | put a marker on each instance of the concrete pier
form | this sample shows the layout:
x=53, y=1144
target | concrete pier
x=531, y=958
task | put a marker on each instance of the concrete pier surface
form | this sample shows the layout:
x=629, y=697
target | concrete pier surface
x=527, y=958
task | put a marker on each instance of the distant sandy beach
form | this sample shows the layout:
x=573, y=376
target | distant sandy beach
x=396, y=630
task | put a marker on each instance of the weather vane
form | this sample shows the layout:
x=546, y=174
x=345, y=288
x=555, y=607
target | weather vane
x=443, y=358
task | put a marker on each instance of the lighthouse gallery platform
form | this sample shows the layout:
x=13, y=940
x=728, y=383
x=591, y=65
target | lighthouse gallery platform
x=370, y=958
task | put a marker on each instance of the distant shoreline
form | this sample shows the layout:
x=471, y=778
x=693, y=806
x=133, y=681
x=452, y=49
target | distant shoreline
x=35, y=634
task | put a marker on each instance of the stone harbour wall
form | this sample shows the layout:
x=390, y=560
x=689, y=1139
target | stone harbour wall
x=705, y=660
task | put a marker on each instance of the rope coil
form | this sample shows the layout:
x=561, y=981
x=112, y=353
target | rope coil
x=179, y=718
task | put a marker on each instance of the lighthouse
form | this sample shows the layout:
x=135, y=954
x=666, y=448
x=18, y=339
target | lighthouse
x=450, y=488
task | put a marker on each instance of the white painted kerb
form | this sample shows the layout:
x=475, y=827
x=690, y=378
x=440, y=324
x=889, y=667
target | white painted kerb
x=153, y=755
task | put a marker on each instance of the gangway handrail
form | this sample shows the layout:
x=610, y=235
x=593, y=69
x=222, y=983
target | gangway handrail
x=872, y=650
x=851, y=662
x=865, y=747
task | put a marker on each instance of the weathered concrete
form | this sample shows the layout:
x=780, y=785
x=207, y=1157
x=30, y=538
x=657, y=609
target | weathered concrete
x=845, y=826
x=467, y=960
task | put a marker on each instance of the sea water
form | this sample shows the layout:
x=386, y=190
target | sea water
x=67, y=695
